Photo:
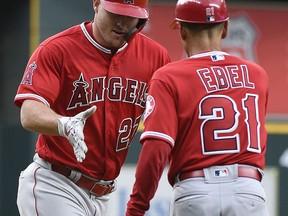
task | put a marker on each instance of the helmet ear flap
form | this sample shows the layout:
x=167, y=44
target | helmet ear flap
x=141, y=23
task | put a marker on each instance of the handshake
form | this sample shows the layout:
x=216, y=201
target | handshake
x=72, y=128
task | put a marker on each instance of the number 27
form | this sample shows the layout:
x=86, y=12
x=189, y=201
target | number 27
x=221, y=120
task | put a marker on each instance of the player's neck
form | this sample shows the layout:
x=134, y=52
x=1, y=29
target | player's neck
x=194, y=47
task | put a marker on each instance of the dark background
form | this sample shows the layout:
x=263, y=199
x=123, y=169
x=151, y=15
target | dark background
x=16, y=144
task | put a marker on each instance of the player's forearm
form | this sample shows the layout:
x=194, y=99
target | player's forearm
x=37, y=117
x=153, y=159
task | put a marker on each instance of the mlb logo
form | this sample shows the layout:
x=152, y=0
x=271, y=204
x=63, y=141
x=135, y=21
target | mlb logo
x=218, y=57
x=210, y=18
x=220, y=172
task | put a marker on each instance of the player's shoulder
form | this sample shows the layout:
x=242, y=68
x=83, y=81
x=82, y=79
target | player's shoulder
x=176, y=65
x=60, y=36
x=252, y=65
x=150, y=48
x=140, y=38
x=241, y=60
x=172, y=69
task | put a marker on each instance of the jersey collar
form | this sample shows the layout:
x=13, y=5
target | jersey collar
x=208, y=54
x=97, y=45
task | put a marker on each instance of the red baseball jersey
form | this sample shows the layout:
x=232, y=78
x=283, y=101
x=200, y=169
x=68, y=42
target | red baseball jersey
x=70, y=72
x=211, y=109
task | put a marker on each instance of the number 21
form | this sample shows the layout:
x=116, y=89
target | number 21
x=220, y=122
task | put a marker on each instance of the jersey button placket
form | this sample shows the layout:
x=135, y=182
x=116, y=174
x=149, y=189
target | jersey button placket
x=109, y=107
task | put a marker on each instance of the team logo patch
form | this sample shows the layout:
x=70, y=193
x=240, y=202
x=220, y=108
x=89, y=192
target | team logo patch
x=221, y=172
x=150, y=104
x=27, y=78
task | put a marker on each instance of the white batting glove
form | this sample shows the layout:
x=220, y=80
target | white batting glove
x=72, y=128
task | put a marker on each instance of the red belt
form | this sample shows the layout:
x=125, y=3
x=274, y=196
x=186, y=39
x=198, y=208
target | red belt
x=96, y=187
x=247, y=172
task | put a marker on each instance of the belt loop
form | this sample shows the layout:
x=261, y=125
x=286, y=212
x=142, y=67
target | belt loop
x=114, y=185
x=261, y=173
x=74, y=176
x=177, y=178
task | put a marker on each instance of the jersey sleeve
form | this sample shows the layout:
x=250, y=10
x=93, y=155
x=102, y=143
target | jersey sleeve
x=41, y=79
x=160, y=116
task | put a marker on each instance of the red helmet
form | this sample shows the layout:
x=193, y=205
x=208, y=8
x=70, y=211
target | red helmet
x=200, y=11
x=132, y=8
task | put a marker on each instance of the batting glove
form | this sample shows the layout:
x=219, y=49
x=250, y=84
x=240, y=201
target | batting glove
x=72, y=128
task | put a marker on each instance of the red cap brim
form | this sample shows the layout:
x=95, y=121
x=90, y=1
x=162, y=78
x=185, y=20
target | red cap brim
x=125, y=9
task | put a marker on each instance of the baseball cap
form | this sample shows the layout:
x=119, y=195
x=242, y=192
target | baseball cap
x=132, y=8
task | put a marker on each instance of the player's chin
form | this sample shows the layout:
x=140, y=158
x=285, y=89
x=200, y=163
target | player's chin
x=117, y=42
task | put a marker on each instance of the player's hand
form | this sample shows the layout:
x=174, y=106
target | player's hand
x=72, y=128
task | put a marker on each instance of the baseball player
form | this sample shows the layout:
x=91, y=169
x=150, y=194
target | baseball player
x=84, y=92
x=206, y=115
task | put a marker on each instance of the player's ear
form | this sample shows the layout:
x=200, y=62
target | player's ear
x=96, y=4
x=225, y=30
x=183, y=32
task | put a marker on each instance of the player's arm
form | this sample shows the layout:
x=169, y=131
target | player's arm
x=153, y=159
x=39, y=118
